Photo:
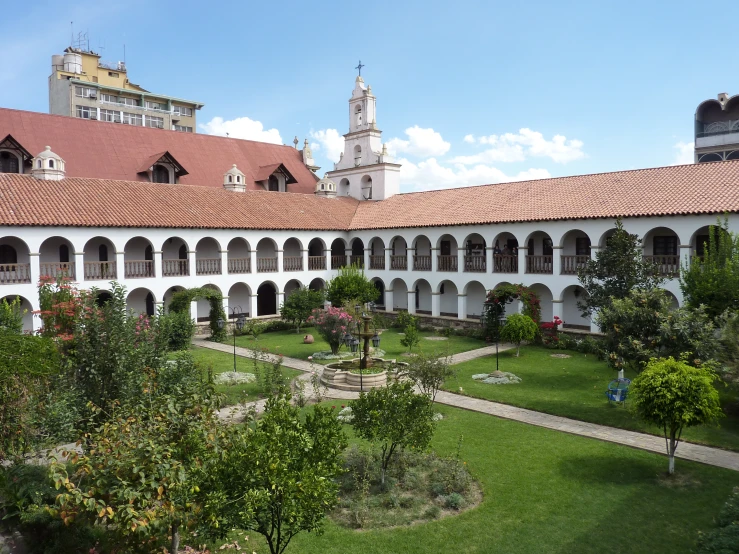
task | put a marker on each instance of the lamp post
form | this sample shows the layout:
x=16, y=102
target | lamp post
x=494, y=310
x=239, y=324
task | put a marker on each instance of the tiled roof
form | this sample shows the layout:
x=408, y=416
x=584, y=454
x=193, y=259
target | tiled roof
x=115, y=151
x=78, y=202
x=675, y=190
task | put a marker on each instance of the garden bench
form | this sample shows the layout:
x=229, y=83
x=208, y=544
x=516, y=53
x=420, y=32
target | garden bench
x=618, y=390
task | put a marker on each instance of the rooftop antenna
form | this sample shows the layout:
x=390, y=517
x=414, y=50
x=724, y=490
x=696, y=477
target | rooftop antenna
x=101, y=47
x=124, y=53
x=71, y=40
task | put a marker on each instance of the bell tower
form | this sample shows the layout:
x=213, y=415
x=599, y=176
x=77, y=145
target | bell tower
x=364, y=171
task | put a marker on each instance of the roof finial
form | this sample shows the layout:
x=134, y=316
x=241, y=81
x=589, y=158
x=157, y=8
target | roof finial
x=295, y=142
x=359, y=68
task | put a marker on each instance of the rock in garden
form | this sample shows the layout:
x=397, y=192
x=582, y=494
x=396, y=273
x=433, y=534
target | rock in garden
x=308, y=339
x=497, y=378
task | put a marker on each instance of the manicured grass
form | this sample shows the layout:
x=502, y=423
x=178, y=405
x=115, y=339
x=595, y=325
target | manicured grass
x=575, y=387
x=546, y=491
x=289, y=343
x=224, y=362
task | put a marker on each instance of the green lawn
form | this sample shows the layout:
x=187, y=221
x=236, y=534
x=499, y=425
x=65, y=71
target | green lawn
x=546, y=491
x=289, y=343
x=575, y=387
x=225, y=362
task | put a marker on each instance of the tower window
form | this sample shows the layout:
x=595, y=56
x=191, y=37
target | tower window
x=51, y=164
x=8, y=163
x=358, y=112
x=230, y=179
x=160, y=174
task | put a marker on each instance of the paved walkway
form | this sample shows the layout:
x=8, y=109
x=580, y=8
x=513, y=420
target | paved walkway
x=687, y=451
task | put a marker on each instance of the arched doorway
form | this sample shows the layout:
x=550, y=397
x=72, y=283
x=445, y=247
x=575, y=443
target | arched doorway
x=266, y=299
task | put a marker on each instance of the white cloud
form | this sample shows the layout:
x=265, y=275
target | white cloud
x=511, y=147
x=469, y=139
x=684, y=154
x=243, y=128
x=421, y=142
x=430, y=174
x=331, y=141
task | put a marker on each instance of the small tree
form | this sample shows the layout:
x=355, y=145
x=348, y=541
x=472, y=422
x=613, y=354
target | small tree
x=429, y=372
x=351, y=284
x=394, y=416
x=674, y=396
x=411, y=337
x=617, y=268
x=331, y=324
x=518, y=328
x=277, y=477
x=11, y=316
x=298, y=307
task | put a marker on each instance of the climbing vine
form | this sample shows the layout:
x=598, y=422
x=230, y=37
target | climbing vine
x=181, y=301
x=496, y=301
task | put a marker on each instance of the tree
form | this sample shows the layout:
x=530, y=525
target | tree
x=394, y=416
x=518, y=328
x=332, y=325
x=351, y=284
x=11, y=316
x=643, y=326
x=712, y=280
x=277, y=477
x=411, y=337
x=672, y=395
x=298, y=307
x=429, y=372
x=617, y=268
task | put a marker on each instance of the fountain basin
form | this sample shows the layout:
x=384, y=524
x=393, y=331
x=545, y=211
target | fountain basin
x=345, y=375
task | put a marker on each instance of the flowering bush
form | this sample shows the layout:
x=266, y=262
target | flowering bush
x=332, y=325
x=550, y=332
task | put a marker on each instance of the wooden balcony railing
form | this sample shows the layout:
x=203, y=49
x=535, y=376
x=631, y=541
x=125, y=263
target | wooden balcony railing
x=377, y=262
x=448, y=263
x=505, y=263
x=356, y=260
x=266, y=265
x=138, y=269
x=338, y=261
x=475, y=264
x=175, y=268
x=668, y=266
x=421, y=263
x=570, y=264
x=100, y=271
x=316, y=263
x=57, y=269
x=239, y=265
x=399, y=263
x=208, y=266
x=11, y=274
x=539, y=264
x=292, y=263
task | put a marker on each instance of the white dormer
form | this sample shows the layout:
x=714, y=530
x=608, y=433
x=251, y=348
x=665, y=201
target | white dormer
x=234, y=180
x=48, y=166
x=326, y=188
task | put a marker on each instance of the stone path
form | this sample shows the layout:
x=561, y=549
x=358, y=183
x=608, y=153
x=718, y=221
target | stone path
x=687, y=451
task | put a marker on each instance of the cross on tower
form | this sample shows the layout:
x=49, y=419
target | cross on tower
x=359, y=67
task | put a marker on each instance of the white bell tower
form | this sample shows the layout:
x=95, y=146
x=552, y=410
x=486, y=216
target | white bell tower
x=365, y=171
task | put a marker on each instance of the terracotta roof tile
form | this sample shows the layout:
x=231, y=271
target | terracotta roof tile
x=103, y=150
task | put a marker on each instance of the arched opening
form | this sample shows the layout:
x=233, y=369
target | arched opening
x=316, y=255
x=9, y=163
x=141, y=301
x=338, y=254
x=701, y=239
x=398, y=254
x=571, y=316
x=169, y=293
x=513, y=307
x=317, y=284
x=474, y=254
x=358, y=114
x=15, y=261
x=575, y=251
x=380, y=286
x=505, y=253
x=448, y=299
x=204, y=304
x=674, y=302
x=230, y=179
x=377, y=254
x=239, y=300
x=733, y=155
x=8, y=254
x=290, y=287
x=476, y=296
x=661, y=247
x=539, y=253
x=102, y=298
x=400, y=295
x=239, y=259
x=366, y=186
x=357, y=155
x=51, y=164
x=711, y=157
x=292, y=255
x=357, y=256
x=273, y=184
x=174, y=258
x=26, y=311
x=54, y=255
x=266, y=256
x=447, y=259
x=160, y=174
x=99, y=260
x=138, y=258
x=545, y=299
x=266, y=299
x=423, y=296
x=344, y=186
x=208, y=257
x=422, y=254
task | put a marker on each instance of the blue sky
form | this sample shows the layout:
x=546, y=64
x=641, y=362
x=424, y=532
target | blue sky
x=468, y=92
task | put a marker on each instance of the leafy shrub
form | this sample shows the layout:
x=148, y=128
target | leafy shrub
x=381, y=321
x=432, y=512
x=550, y=332
x=298, y=307
x=404, y=319
x=724, y=539
x=412, y=337
x=331, y=324
x=428, y=372
x=351, y=284
x=11, y=316
x=454, y=501
x=446, y=332
x=517, y=329
x=181, y=372
x=179, y=329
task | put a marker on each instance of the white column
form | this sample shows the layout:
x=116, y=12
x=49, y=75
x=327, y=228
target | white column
x=410, y=252
x=556, y=260
x=253, y=305
x=685, y=253
x=158, y=263
x=411, y=301
x=522, y=253
x=35, y=259
x=435, y=304
x=280, y=300
x=305, y=261
x=225, y=308
x=159, y=307
x=460, y=259
x=224, y=262
x=120, y=265
x=434, y=260
x=194, y=310
x=388, y=300
x=347, y=256
x=192, y=261
x=280, y=260
x=558, y=309
x=388, y=253
x=252, y=261
x=593, y=251
x=462, y=306
x=489, y=259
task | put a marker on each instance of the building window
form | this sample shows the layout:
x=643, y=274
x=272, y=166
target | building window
x=108, y=99
x=582, y=246
x=8, y=255
x=129, y=101
x=154, y=122
x=665, y=246
x=103, y=253
x=160, y=174
x=113, y=74
x=133, y=119
x=182, y=110
x=86, y=112
x=110, y=115
x=85, y=92
x=273, y=184
x=183, y=128
x=155, y=106
x=64, y=254
x=51, y=164
x=9, y=163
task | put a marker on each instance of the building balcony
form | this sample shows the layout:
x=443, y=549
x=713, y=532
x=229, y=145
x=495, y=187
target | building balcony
x=316, y=263
x=239, y=265
x=58, y=269
x=505, y=263
x=292, y=263
x=448, y=263
x=267, y=265
x=138, y=269
x=421, y=263
x=377, y=262
x=338, y=262
x=100, y=271
x=208, y=266
x=539, y=264
x=475, y=264
x=356, y=260
x=399, y=263
x=570, y=264
x=12, y=274
x=175, y=268
x=669, y=266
